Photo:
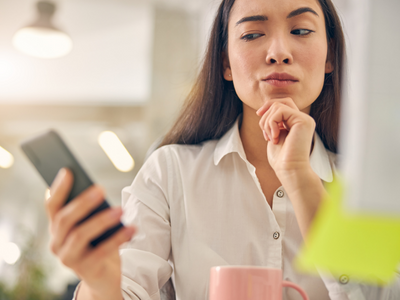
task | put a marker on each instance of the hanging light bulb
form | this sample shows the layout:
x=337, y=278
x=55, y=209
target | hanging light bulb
x=41, y=39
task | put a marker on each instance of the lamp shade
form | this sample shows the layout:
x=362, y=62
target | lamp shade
x=42, y=39
x=42, y=42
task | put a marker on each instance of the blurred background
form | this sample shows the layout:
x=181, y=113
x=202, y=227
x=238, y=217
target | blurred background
x=131, y=65
x=127, y=66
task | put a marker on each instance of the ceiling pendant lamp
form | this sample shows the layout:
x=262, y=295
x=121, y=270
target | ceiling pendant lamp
x=42, y=39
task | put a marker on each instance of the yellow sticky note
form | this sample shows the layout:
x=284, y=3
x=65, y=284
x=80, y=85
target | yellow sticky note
x=363, y=246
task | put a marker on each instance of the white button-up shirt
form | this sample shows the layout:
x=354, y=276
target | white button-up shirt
x=199, y=206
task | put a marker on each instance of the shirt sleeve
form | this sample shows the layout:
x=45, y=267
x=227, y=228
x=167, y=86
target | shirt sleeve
x=144, y=260
x=344, y=288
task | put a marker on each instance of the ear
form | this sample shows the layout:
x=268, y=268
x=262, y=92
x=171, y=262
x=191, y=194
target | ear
x=226, y=66
x=328, y=67
x=330, y=58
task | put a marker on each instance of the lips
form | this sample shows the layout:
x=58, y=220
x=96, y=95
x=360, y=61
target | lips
x=280, y=79
x=281, y=76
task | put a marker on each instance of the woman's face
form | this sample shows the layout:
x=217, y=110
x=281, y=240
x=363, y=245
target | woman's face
x=277, y=49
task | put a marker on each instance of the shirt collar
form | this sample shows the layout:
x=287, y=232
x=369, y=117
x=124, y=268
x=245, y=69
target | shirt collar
x=319, y=160
x=231, y=143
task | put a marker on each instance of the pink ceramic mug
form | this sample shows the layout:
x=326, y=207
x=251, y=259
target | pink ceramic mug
x=248, y=283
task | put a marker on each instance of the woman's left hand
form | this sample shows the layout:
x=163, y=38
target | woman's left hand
x=289, y=132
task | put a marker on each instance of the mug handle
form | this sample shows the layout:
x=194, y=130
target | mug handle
x=296, y=287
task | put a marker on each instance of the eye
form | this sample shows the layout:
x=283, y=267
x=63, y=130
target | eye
x=301, y=32
x=252, y=36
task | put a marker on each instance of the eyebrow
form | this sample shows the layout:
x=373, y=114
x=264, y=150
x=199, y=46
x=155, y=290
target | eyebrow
x=256, y=18
x=300, y=11
x=262, y=18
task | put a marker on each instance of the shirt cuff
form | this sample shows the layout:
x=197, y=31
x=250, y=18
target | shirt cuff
x=341, y=288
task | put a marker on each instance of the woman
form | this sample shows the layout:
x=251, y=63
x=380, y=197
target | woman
x=241, y=173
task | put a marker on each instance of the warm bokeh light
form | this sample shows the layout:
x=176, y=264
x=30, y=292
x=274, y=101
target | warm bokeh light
x=42, y=42
x=6, y=158
x=47, y=194
x=116, y=151
x=9, y=252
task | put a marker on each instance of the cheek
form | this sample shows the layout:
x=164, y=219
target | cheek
x=315, y=57
x=243, y=63
x=314, y=66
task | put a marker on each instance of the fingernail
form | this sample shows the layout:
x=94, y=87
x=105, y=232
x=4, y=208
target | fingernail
x=61, y=173
x=265, y=136
x=59, y=178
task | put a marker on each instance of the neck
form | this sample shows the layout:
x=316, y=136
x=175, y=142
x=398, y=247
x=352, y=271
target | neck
x=254, y=144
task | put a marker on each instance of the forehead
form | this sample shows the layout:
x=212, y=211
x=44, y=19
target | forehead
x=271, y=8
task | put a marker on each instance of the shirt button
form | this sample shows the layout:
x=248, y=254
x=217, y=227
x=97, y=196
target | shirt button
x=280, y=193
x=344, y=279
x=276, y=235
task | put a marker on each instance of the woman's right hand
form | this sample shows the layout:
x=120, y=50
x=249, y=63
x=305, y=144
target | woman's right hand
x=99, y=268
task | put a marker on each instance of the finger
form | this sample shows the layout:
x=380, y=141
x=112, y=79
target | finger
x=284, y=116
x=273, y=128
x=267, y=105
x=74, y=212
x=264, y=124
x=59, y=191
x=267, y=129
x=277, y=124
x=275, y=131
x=77, y=242
x=277, y=121
x=266, y=136
x=282, y=136
x=107, y=247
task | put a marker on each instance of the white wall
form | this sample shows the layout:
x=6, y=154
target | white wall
x=110, y=63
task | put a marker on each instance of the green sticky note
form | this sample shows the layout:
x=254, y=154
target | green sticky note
x=364, y=246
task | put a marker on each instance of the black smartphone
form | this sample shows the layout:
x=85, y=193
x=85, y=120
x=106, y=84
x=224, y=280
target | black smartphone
x=48, y=153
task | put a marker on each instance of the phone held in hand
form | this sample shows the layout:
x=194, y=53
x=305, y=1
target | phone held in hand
x=48, y=153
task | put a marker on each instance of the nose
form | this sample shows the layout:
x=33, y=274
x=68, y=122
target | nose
x=279, y=52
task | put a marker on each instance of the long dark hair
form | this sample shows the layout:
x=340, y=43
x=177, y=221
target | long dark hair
x=213, y=106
